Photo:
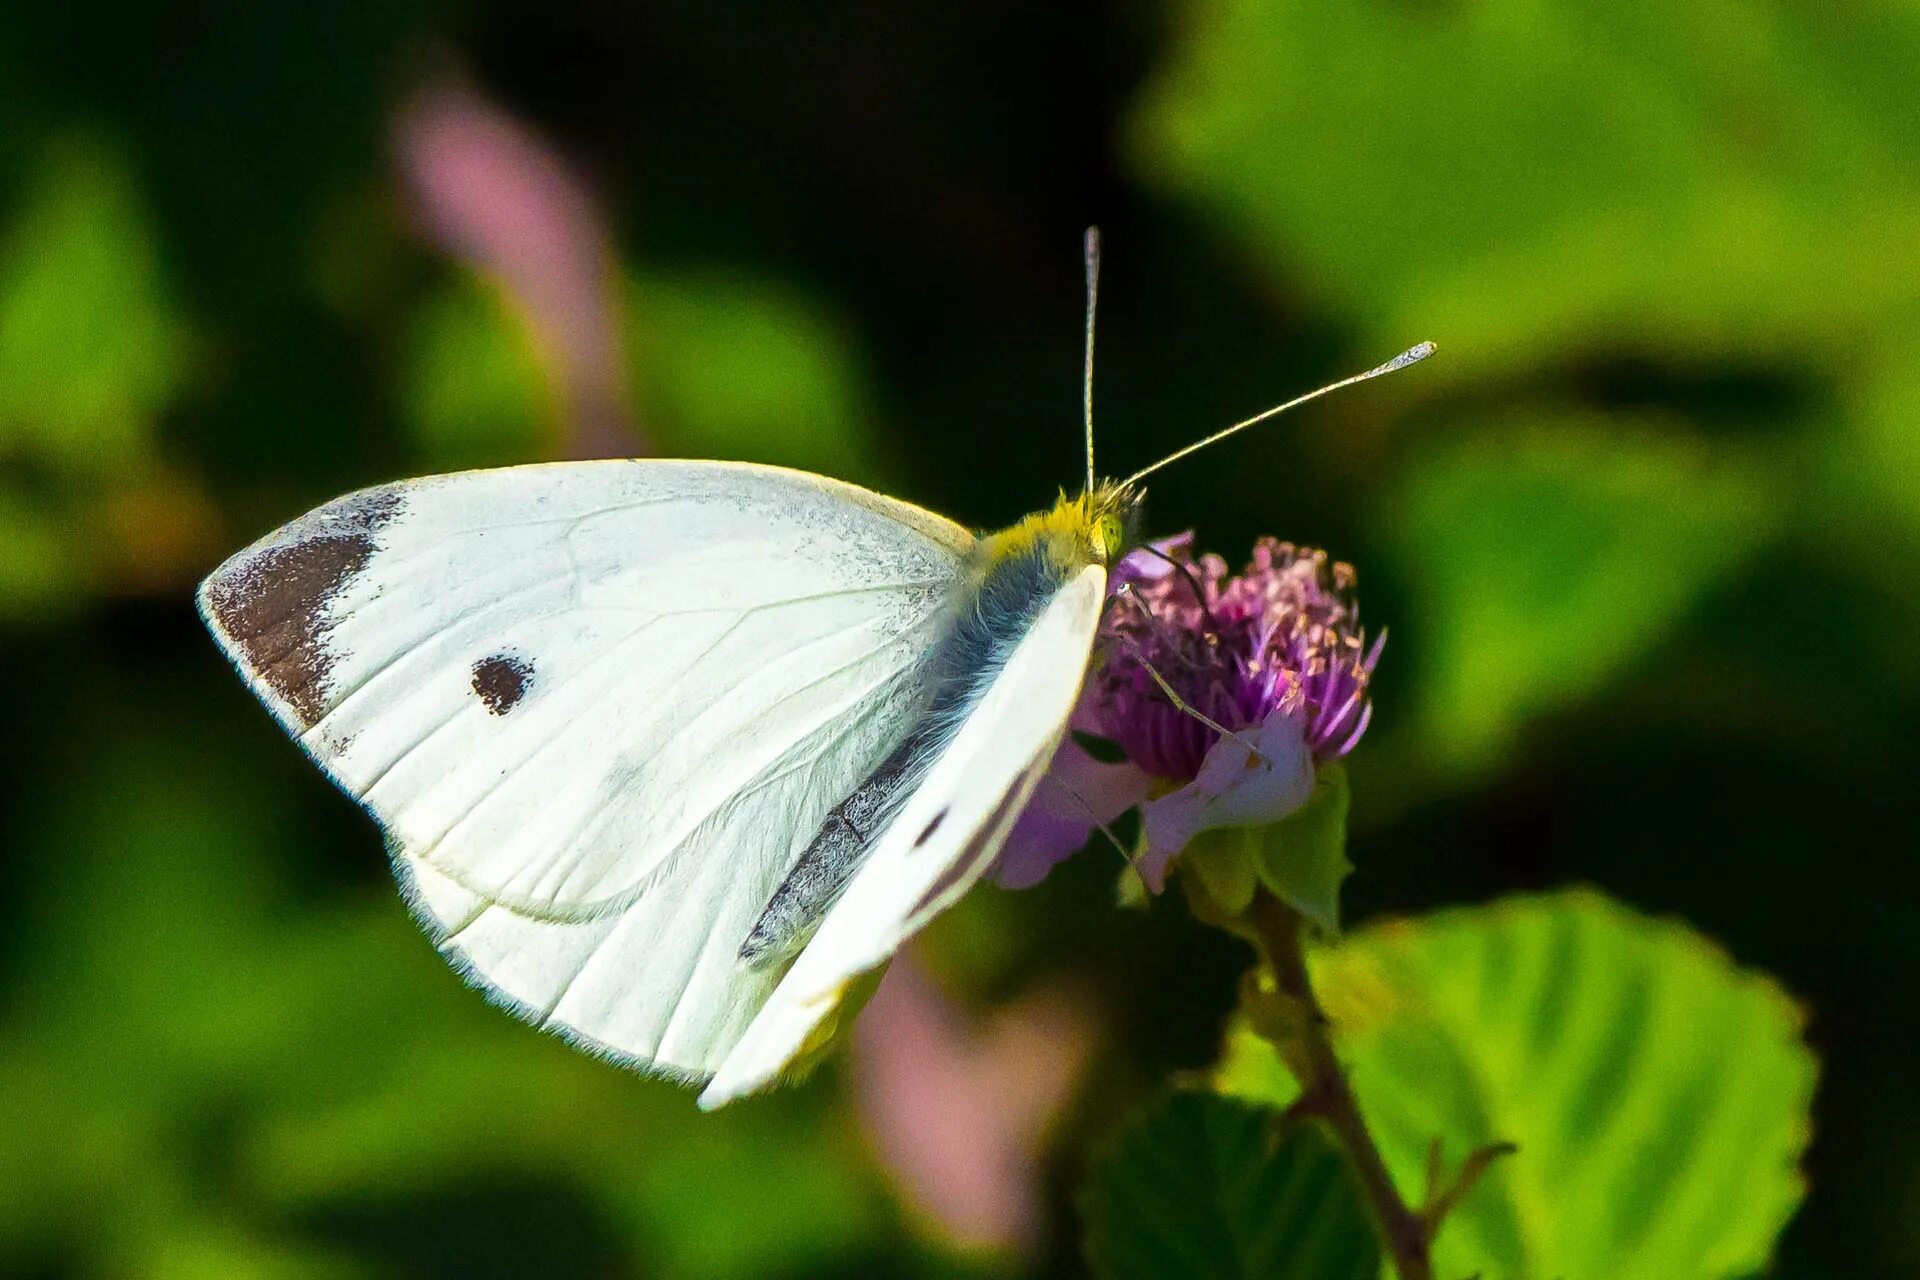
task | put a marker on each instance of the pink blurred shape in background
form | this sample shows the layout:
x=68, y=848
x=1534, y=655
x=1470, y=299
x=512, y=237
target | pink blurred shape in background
x=494, y=193
x=959, y=1109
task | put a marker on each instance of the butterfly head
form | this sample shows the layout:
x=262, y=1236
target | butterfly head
x=1112, y=514
x=1095, y=527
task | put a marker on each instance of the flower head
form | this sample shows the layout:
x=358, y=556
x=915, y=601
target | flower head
x=1282, y=638
x=1223, y=691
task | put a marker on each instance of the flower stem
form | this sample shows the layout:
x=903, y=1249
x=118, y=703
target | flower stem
x=1324, y=1091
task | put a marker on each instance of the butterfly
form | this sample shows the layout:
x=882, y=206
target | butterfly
x=671, y=756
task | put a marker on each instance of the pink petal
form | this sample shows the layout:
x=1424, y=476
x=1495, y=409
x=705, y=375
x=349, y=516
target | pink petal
x=1143, y=565
x=1234, y=788
x=1076, y=793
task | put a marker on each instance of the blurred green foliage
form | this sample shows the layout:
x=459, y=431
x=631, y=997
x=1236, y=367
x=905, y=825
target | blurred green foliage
x=1488, y=523
x=204, y=1073
x=1643, y=533
x=475, y=393
x=726, y=368
x=90, y=347
x=91, y=350
x=1709, y=181
x=731, y=367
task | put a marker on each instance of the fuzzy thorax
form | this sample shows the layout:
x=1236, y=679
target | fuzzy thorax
x=1095, y=527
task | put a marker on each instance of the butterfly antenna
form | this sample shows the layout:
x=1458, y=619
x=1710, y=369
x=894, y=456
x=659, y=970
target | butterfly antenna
x=1412, y=355
x=1126, y=855
x=1091, y=245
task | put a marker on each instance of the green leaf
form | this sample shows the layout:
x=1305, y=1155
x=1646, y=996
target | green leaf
x=39, y=563
x=1659, y=1094
x=1605, y=152
x=1877, y=457
x=1196, y=1187
x=1303, y=858
x=1217, y=869
x=1548, y=559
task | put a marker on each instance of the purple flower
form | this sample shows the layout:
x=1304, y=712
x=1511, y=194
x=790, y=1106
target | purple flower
x=1275, y=656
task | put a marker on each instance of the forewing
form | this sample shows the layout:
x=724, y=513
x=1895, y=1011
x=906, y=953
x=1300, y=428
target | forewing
x=944, y=839
x=599, y=708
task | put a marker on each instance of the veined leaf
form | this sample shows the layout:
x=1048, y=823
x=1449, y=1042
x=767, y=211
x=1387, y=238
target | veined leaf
x=1658, y=1094
x=1198, y=1187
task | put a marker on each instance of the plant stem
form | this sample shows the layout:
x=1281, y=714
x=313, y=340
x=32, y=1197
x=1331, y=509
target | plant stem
x=1324, y=1091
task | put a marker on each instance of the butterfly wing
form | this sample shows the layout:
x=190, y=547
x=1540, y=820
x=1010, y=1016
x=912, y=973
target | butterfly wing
x=945, y=837
x=599, y=709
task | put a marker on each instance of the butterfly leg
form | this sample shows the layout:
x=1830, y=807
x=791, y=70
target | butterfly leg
x=1184, y=707
x=1130, y=857
x=832, y=856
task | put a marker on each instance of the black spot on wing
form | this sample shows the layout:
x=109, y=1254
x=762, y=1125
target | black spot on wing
x=972, y=857
x=501, y=680
x=931, y=827
x=270, y=601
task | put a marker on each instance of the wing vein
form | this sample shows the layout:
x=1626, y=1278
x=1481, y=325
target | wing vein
x=581, y=831
x=546, y=744
x=495, y=605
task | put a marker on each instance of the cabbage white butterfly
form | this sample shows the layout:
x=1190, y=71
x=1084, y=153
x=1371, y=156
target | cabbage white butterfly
x=670, y=753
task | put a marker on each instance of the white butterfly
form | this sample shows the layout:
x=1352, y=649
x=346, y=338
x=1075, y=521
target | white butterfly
x=670, y=753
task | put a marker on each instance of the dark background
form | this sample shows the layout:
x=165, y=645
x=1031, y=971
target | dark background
x=1643, y=532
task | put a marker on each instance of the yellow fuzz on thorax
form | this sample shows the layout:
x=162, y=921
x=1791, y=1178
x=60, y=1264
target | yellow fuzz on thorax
x=1092, y=528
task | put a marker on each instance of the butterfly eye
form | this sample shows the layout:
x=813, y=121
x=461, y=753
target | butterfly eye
x=1112, y=536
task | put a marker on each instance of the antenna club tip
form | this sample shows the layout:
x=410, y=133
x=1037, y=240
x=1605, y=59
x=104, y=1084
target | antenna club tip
x=1412, y=355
